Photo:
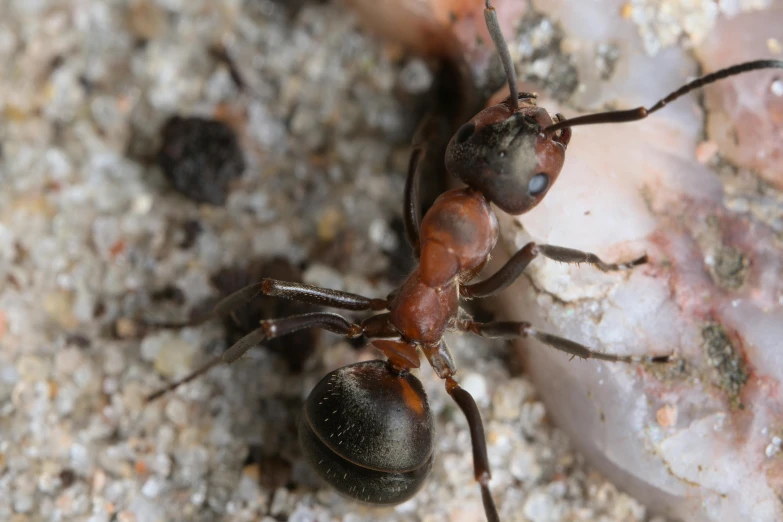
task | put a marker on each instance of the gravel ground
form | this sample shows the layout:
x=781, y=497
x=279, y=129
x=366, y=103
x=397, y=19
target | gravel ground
x=94, y=238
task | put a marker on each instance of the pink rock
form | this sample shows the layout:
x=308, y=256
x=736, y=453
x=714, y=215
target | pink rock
x=435, y=27
x=712, y=294
x=746, y=113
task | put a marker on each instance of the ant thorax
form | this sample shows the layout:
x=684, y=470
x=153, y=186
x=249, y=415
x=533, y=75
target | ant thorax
x=457, y=235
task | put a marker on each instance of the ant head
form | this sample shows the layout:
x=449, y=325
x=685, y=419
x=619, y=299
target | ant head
x=504, y=153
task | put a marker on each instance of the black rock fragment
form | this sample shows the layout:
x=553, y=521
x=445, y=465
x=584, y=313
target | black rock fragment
x=200, y=157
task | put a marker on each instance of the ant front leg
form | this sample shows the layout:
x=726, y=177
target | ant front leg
x=375, y=326
x=521, y=329
x=424, y=135
x=514, y=267
x=412, y=203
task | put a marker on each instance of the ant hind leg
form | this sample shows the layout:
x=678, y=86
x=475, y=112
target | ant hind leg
x=478, y=441
x=440, y=359
x=372, y=327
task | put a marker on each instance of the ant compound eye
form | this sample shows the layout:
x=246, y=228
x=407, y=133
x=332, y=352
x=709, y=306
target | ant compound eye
x=538, y=184
x=464, y=133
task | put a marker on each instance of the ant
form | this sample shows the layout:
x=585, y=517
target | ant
x=367, y=428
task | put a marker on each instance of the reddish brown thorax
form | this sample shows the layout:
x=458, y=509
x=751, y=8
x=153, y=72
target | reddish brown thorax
x=457, y=235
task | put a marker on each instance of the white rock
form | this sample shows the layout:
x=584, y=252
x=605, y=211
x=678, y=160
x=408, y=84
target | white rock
x=634, y=188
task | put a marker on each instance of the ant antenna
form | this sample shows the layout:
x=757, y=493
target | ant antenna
x=641, y=112
x=491, y=18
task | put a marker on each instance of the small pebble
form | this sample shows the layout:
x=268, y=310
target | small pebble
x=416, y=77
x=706, y=151
x=774, y=447
x=152, y=487
x=540, y=507
x=113, y=362
x=177, y=412
x=175, y=358
x=667, y=416
x=200, y=158
x=509, y=397
x=126, y=328
x=524, y=467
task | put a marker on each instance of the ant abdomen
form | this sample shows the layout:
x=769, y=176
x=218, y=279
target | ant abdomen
x=367, y=430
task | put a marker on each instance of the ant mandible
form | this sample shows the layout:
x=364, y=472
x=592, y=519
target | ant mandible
x=367, y=428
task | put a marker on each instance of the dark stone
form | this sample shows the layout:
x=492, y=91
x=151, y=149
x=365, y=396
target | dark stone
x=67, y=478
x=169, y=293
x=275, y=471
x=191, y=229
x=292, y=7
x=200, y=157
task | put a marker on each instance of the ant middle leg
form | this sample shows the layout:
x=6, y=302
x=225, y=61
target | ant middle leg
x=514, y=267
x=273, y=288
x=521, y=329
x=375, y=326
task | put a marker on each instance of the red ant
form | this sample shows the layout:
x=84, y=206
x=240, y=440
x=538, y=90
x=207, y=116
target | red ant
x=367, y=428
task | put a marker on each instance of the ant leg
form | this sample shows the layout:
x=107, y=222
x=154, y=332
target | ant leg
x=274, y=288
x=481, y=471
x=440, y=359
x=519, y=261
x=321, y=296
x=570, y=255
x=277, y=328
x=503, y=278
x=514, y=330
x=412, y=203
x=412, y=199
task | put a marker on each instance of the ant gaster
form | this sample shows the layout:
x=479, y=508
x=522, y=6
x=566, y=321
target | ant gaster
x=367, y=428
